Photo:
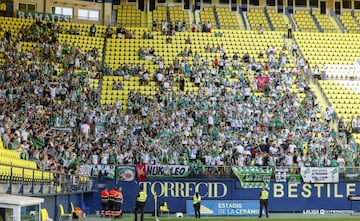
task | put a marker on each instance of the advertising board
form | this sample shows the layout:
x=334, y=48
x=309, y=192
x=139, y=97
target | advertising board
x=283, y=196
x=225, y=208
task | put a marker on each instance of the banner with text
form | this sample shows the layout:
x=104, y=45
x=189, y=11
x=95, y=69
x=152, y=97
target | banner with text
x=103, y=170
x=283, y=196
x=284, y=175
x=43, y=16
x=320, y=174
x=167, y=171
x=253, y=177
x=225, y=208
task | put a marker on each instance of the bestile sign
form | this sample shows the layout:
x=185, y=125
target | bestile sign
x=283, y=197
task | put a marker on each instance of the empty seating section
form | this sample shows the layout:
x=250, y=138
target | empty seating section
x=357, y=16
x=304, y=21
x=331, y=48
x=340, y=71
x=160, y=14
x=256, y=18
x=129, y=16
x=349, y=22
x=12, y=165
x=324, y=22
x=207, y=15
x=178, y=14
x=227, y=19
x=277, y=20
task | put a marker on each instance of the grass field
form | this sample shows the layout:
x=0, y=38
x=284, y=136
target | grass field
x=292, y=217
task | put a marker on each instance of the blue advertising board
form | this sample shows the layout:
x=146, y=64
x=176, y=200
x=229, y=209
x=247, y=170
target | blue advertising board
x=225, y=208
x=283, y=197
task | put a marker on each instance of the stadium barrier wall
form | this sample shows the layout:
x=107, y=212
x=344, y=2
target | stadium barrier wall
x=51, y=202
x=284, y=197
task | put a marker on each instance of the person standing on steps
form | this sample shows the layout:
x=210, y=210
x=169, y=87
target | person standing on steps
x=197, y=204
x=264, y=202
x=289, y=30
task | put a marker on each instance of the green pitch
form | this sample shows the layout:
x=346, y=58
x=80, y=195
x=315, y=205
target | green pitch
x=278, y=216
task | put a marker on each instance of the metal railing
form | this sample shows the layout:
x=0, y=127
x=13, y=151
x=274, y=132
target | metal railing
x=55, y=182
x=25, y=181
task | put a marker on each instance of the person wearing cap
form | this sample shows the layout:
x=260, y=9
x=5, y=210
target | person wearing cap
x=197, y=204
x=140, y=203
x=264, y=201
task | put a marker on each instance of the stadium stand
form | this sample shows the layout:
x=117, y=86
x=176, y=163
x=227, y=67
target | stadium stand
x=180, y=15
x=256, y=18
x=344, y=97
x=230, y=91
x=277, y=20
x=128, y=15
x=304, y=21
x=207, y=16
x=227, y=19
x=349, y=22
x=160, y=14
x=333, y=48
x=325, y=22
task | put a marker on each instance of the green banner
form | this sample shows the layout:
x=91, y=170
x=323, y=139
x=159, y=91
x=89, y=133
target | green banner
x=253, y=177
x=294, y=178
x=125, y=173
x=43, y=16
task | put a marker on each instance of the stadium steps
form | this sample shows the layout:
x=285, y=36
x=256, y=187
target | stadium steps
x=149, y=19
x=268, y=19
x=287, y=21
x=355, y=18
x=144, y=19
x=113, y=17
x=240, y=21
x=197, y=16
x=168, y=13
x=191, y=17
x=337, y=24
x=244, y=20
x=290, y=18
x=316, y=22
x=216, y=18
x=323, y=103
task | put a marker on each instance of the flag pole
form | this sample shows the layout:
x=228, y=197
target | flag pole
x=155, y=206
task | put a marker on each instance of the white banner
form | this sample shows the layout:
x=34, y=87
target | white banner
x=320, y=174
x=281, y=174
x=167, y=170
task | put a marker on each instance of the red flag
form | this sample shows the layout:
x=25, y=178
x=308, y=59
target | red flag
x=262, y=80
x=141, y=172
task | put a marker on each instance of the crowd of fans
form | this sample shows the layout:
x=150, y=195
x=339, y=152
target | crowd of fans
x=52, y=115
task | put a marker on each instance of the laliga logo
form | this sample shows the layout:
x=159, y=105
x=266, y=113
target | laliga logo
x=322, y=212
x=313, y=211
